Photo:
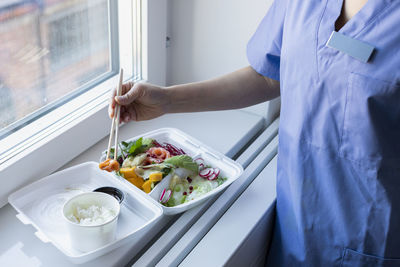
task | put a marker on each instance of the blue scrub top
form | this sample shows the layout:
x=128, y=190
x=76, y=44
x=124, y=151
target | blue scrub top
x=338, y=181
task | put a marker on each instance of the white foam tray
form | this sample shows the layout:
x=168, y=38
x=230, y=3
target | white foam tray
x=194, y=148
x=41, y=202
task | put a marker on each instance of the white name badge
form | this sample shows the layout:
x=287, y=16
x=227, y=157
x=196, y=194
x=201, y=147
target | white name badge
x=354, y=48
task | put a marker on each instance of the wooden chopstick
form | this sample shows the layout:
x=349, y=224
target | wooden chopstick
x=115, y=120
x=119, y=91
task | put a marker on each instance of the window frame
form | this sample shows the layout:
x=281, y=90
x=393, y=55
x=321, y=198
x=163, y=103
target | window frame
x=88, y=110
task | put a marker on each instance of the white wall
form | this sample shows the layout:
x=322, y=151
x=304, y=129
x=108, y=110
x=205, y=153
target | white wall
x=209, y=37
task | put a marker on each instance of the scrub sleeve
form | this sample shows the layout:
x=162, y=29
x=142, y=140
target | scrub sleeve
x=264, y=48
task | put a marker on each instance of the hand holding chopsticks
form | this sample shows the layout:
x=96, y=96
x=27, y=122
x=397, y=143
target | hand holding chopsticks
x=109, y=164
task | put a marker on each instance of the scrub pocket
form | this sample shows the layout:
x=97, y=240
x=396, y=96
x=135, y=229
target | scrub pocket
x=353, y=258
x=371, y=126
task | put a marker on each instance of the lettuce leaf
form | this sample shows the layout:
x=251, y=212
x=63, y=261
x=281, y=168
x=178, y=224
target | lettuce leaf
x=139, y=146
x=135, y=145
x=183, y=161
x=221, y=180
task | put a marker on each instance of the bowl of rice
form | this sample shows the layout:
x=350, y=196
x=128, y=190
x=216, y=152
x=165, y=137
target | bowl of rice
x=91, y=220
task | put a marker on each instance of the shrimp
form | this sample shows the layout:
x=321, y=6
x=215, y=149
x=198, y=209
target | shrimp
x=109, y=165
x=157, y=155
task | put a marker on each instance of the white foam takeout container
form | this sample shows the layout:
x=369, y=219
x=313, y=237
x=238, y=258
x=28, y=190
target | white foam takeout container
x=41, y=204
x=91, y=236
x=194, y=148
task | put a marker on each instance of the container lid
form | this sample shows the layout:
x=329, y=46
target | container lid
x=41, y=204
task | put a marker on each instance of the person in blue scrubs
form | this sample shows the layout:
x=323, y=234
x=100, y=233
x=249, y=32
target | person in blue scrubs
x=338, y=180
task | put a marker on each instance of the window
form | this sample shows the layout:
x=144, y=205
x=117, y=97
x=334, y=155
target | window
x=38, y=143
x=49, y=49
x=54, y=51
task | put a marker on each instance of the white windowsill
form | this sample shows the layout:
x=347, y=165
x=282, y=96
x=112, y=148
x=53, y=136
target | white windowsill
x=18, y=242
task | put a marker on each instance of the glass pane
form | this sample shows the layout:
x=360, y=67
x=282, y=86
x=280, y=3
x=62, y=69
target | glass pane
x=48, y=49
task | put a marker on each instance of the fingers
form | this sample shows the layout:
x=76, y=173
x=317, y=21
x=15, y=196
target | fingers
x=131, y=113
x=128, y=113
x=129, y=94
x=132, y=94
x=122, y=112
x=111, y=107
x=125, y=116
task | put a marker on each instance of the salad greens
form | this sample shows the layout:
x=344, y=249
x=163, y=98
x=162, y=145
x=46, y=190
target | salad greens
x=183, y=161
x=133, y=148
x=185, y=190
x=221, y=180
x=145, y=162
x=139, y=146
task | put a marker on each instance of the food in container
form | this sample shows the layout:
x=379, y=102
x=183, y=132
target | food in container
x=186, y=186
x=209, y=171
x=146, y=161
x=91, y=220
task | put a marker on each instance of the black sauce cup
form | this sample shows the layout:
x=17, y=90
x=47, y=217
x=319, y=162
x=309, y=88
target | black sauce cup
x=115, y=192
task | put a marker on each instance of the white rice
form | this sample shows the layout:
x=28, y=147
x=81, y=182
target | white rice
x=93, y=215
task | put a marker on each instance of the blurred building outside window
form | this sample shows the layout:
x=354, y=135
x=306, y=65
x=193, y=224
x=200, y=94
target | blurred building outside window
x=48, y=49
